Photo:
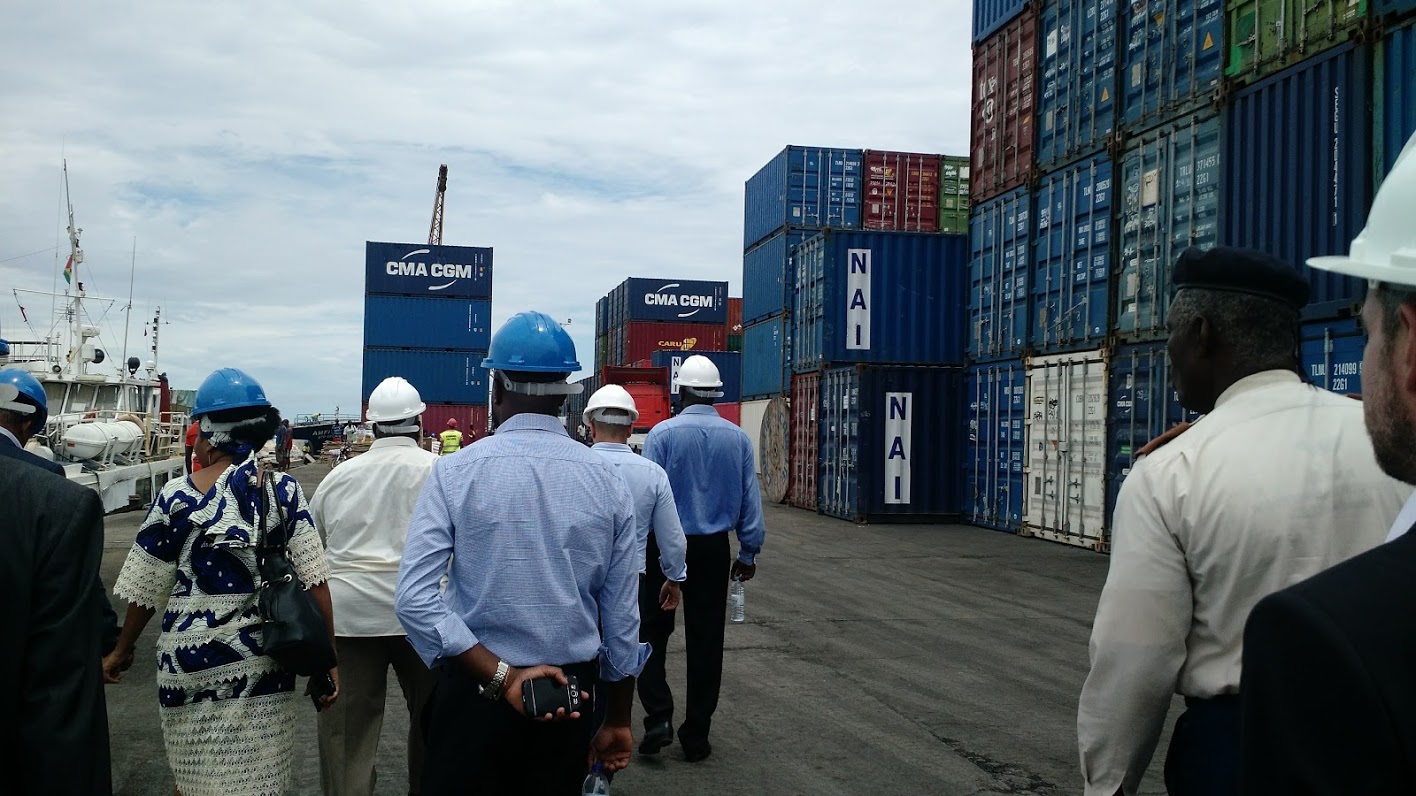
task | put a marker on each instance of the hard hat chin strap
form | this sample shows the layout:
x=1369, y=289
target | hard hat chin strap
x=703, y=393
x=603, y=416
x=406, y=428
x=539, y=388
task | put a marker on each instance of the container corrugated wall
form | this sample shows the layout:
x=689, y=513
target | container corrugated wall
x=1064, y=493
x=638, y=340
x=990, y=15
x=803, y=187
x=1169, y=194
x=1072, y=256
x=470, y=419
x=442, y=377
x=805, y=439
x=1173, y=58
x=734, y=316
x=1297, y=174
x=1000, y=234
x=1143, y=405
x=766, y=286
x=1332, y=355
x=993, y=456
x=1392, y=7
x=729, y=370
x=429, y=323
x=891, y=443
x=1004, y=91
x=879, y=297
x=1266, y=36
x=1076, y=104
x=954, y=195
x=764, y=359
x=1393, y=100
x=901, y=191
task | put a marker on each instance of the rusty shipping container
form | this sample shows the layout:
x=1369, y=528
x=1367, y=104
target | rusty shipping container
x=637, y=340
x=805, y=433
x=1004, y=96
x=734, y=316
x=901, y=192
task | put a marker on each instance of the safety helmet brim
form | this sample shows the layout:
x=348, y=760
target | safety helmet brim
x=1388, y=272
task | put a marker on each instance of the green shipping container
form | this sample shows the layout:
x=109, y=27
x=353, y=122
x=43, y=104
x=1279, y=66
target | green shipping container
x=953, y=195
x=735, y=342
x=1267, y=36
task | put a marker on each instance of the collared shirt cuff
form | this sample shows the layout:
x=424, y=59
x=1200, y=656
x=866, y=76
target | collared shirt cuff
x=611, y=673
x=678, y=575
x=454, y=636
x=747, y=558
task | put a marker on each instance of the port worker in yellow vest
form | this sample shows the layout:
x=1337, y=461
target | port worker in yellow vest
x=451, y=439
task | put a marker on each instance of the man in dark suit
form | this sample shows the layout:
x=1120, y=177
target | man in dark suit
x=1328, y=692
x=53, y=721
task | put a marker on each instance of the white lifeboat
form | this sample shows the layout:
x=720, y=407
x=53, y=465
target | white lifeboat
x=99, y=440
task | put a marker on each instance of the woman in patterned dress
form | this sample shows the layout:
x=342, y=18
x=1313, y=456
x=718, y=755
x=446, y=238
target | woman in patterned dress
x=228, y=710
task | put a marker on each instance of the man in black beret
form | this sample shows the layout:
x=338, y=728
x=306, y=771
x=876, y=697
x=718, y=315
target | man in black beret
x=1276, y=482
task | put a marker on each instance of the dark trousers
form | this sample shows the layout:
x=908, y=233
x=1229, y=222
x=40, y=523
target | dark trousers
x=705, y=610
x=1204, y=749
x=476, y=746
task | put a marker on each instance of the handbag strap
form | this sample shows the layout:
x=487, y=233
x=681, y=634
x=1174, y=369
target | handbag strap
x=262, y=487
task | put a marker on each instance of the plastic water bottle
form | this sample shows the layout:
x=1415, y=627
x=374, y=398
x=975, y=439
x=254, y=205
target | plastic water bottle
x=596, y=784
x=737, y=598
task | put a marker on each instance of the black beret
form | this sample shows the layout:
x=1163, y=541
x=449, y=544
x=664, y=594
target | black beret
x=1240, y=271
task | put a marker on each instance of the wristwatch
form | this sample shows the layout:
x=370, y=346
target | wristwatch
x=494, y=689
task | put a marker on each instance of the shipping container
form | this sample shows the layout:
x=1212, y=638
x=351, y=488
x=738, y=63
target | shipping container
x=1266, y=36
x=805, y=431
x=442, y=377
x=472, y=420
x=1076, y=103
x=648, y=386
x=1143, y=405
x=735, y=342
x=729, y=369
x=575, y=405
x=1332, y=355
x=638, y=340
x=1173, y=60
x=810, y=187
x=602, y=315
x=1004, y=85
x=602, y=352
x=1394, y=8
x=993, y=456
x=731, y=412
x=954, y=195
x=901, y=191
x=671, y=300
x=891, y=442
x=1064, y=488
x=1393, y=99
x=1297, y=168
x=764, y=359
x=417, y=269
x=752, y=413
x=431, y=323
x=990, y=15
x=879, y=297
x=734, y=316
x=1170, y=181
x=766, y=283
x=1072, y=257
x=1000, y=233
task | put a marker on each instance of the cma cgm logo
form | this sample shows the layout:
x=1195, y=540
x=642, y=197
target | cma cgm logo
x=449, y=271
x=686, y=344
x=667, y=296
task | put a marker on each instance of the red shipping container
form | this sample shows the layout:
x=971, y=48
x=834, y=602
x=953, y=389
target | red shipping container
x=731, y=412
x=734, y=316
x=642, y=338
x=1004, y=85
x=805, y=431
x=901, y=192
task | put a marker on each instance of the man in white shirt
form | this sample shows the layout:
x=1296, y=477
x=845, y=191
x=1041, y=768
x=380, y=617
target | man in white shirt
x=1275, y=483
x=363, y=507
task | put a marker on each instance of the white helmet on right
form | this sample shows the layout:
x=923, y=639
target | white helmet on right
x=611, y=396
x=393, y=400
x=700, y=377
x=1385, y=250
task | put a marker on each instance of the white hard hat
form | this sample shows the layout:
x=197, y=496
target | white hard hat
x=1385, y=250
x=393, y=400
x=700, y=377
x=611, y=396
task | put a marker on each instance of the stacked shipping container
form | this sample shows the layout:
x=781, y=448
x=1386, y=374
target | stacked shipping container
x=642, y=316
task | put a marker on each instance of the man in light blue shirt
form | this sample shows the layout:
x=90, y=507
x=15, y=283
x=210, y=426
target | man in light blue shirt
x=540, y=533
x=710, y=465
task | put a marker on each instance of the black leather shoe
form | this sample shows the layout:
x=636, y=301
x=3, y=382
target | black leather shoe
x=656, y=738
x=696, y=751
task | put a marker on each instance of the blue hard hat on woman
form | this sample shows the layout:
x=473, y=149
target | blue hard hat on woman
x=228, y=388
x=20, y=392
x=532, y=342
x=230, y=399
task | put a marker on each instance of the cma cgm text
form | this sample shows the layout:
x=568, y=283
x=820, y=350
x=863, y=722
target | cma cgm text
x=435, y=270
x=684, y=300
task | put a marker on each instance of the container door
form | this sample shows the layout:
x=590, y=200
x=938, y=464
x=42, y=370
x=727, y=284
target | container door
x=1065, y=497
x=839, y=475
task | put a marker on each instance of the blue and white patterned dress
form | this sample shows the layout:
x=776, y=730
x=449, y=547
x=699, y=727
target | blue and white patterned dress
x=228, y=711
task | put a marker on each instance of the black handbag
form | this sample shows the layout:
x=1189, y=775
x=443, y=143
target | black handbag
x=293, y=629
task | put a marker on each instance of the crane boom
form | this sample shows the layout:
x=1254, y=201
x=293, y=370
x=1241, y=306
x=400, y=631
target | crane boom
x=436, y=230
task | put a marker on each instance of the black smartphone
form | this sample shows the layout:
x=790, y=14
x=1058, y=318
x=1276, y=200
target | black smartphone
x=321, y=685
x=544, y=695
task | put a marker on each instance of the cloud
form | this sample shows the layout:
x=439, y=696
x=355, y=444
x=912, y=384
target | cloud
x=251, y=149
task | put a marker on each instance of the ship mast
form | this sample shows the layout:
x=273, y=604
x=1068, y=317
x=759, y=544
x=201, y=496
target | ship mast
x=76, y=256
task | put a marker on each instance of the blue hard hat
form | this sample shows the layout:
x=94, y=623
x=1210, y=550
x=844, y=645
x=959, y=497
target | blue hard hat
x=30, y=388
x=531, y=342
x=228, y=388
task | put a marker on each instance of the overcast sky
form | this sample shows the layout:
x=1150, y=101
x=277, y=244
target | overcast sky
x=252, y=148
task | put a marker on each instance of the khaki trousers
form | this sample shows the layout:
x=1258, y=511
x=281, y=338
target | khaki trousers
x=349, y=731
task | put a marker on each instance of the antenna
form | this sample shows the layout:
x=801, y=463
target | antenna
x=128, y=313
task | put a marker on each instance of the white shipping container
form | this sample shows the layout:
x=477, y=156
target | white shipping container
x=1064, y=483
x=752, y=414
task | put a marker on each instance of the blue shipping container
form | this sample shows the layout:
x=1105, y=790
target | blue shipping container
x=767, y=275
x=765, y=360
x=1394, y=104
x=678, y=300
x=803, y=187
x=1143, y=406
x=879, y=297
x=417, y=322
x=1170, y=181
x=990, y=15
x=1174, y=58
x=1297, y=168
x=602, y=315
x=1399, y=7
x=1332, y=354
x=442, y=377
x=417, y=269
x=1076, y=110
x=996, y=398
x=729, y=365
x=1072, y=257
x=1000, y=232
x=891, y=443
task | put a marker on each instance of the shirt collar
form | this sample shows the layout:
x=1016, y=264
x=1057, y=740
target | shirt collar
x=5, y=432
x=1257, y=381
x=530, y=421
x=1404, y=520
x=700, y=409
x=612, y=446
x=393, y=442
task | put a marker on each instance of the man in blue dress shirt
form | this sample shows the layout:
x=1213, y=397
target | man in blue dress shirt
x=540, y=534
x=710, y=465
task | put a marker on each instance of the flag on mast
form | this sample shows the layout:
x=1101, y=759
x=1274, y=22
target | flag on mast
x=69, y=270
